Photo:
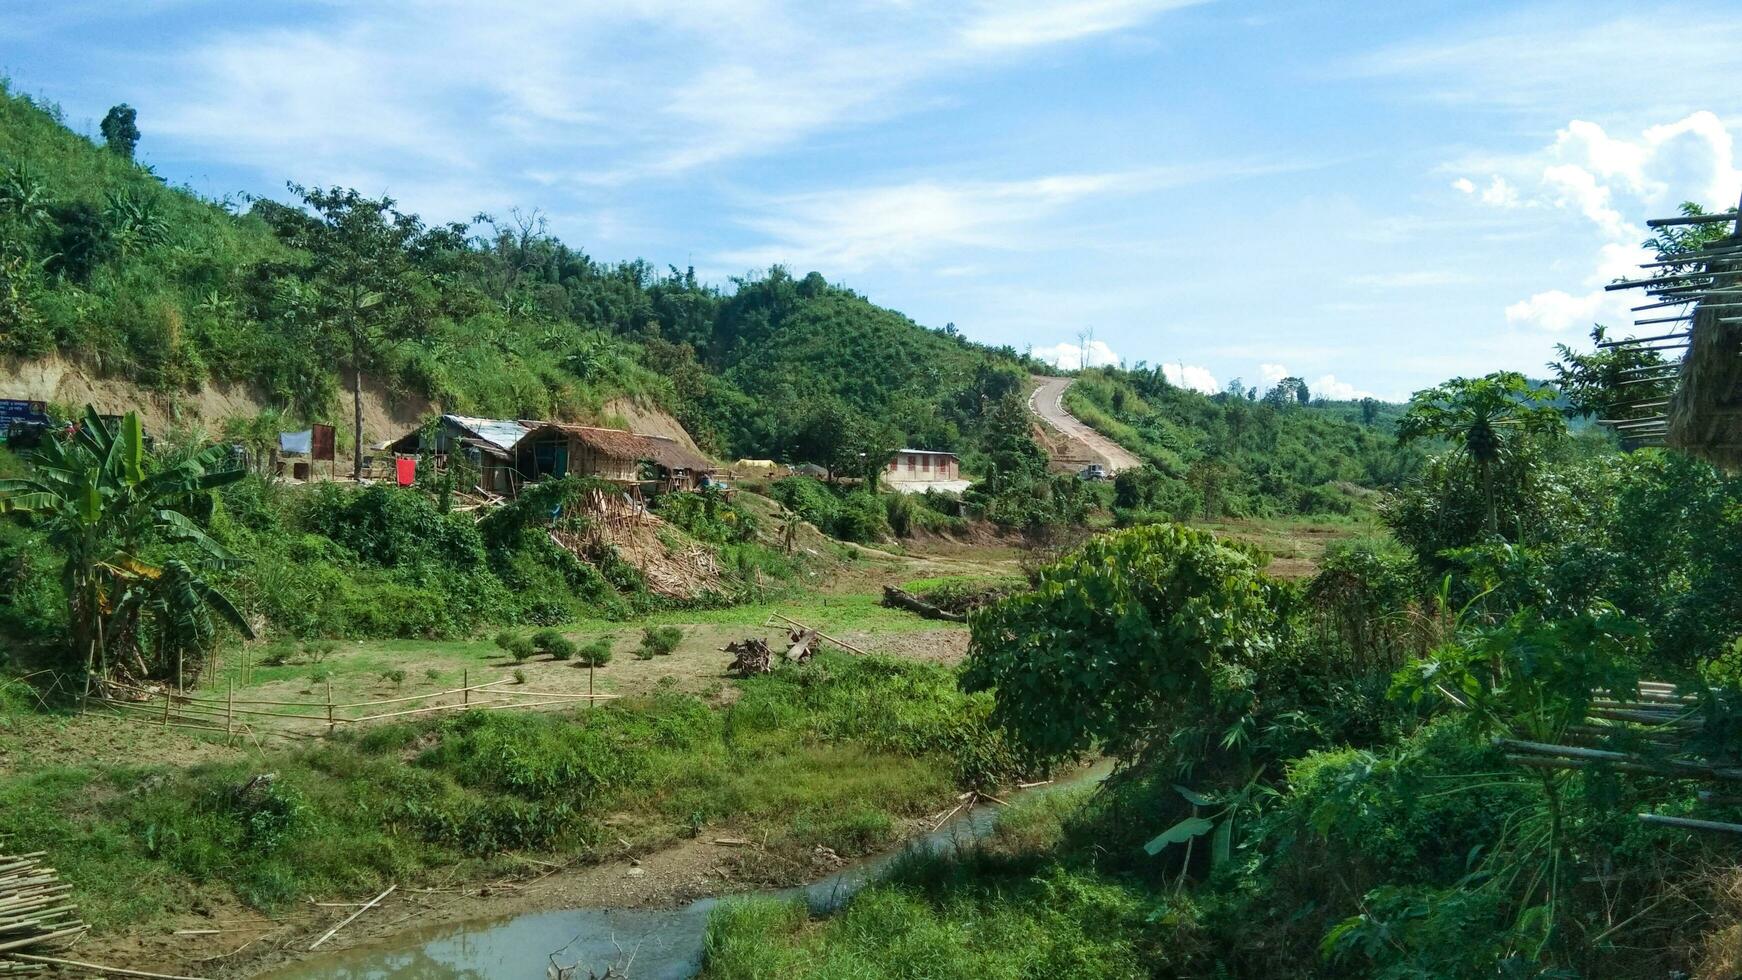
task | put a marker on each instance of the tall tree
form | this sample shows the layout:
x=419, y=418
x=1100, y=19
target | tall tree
x=1288, y=390
x=362, y=274
x=1487, y=419
x=1369, y=410
x=121, y=130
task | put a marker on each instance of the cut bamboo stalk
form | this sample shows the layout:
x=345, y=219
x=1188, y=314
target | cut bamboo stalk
x=820, y=633
x=1665, y=767
x=348, y=919
x=1691, y=824
x=422, y=697
x=99, y=968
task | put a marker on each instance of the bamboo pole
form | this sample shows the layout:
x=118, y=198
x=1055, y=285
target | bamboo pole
x=820, y=633
x=331, y=725
x=98, y=968
x=419, y=711
x=465, y=687
x=230, y=708
x=352, y=916
x=422, y=697
x=1691, y=824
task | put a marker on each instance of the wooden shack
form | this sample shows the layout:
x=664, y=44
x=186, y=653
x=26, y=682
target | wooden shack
x=489, y=444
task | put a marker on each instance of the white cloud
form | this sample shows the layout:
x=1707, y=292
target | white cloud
x=1272, y=373
x=1069, y=357
x=1557, y=310
x=1613, y=183
x=1191, y=376
x=848, y=229
x=1327, y=386
x=1021, y=23
x=592, y=94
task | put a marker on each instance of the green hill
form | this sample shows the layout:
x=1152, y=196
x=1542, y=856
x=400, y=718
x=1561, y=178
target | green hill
x=148, y=283
x=1227, y=455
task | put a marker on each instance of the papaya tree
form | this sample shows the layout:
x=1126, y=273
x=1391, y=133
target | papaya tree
x=1488, y=420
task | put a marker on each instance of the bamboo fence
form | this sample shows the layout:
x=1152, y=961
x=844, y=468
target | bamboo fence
x=251, y=717
x=34, y=912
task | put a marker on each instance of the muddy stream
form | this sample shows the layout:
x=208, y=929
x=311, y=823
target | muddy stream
x=643, y=944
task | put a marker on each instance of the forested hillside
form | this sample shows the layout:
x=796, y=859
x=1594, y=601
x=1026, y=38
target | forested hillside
x=1238, y=455
x=146, y=282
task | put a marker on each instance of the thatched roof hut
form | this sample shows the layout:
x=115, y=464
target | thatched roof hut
x=1705, y=413
x=611, y=454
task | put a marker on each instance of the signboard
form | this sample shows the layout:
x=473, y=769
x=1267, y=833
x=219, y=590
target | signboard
x=322, y=443
x=18, y=411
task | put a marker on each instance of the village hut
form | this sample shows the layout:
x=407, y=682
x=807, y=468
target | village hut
x=1705, y=412
x=617, y=455
x=489, y=444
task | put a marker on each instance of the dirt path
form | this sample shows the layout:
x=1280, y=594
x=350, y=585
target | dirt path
x=1047, y=403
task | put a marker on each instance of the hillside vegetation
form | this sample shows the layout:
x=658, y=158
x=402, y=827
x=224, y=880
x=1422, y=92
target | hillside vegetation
x=1234, y=455
x=142, y=281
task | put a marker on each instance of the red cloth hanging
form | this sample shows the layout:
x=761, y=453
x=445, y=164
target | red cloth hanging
x=405, y=470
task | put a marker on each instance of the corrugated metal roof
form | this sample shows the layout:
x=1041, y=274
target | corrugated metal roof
x=926, y=452
x=503, y=434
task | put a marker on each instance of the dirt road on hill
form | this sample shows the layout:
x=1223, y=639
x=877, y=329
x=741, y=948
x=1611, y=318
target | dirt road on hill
x=1047, y=403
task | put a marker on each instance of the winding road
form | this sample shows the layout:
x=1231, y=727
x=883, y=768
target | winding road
x=1047, y=404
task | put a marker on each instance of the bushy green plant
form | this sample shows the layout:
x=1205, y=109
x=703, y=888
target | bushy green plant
x=657, y=641
x=1166, y=627
x=554, y=643
x=595, y=654
x=520, y=648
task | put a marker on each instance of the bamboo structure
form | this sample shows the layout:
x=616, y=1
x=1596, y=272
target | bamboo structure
x=233, y=715
x=1643, y=734
x=1696, y=367
x=34, y=912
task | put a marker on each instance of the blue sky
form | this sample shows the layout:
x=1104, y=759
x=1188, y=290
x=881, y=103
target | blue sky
x=1374, y=196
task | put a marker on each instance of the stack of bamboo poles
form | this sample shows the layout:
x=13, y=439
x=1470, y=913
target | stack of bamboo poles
x=1659, y=721
x=34, y=911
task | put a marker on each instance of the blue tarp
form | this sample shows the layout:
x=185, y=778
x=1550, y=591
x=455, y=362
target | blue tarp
x=296, y=442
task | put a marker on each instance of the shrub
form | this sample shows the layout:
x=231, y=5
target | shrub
x=658, y=641
x=519, y=676
x=396, y=676
x=595, y=654
x=521, y=649
x=1166, y=627
x=554, y=643
x=277, y=654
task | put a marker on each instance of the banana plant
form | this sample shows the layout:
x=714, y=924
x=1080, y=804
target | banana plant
x=104, y=509
x=1219, y=824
